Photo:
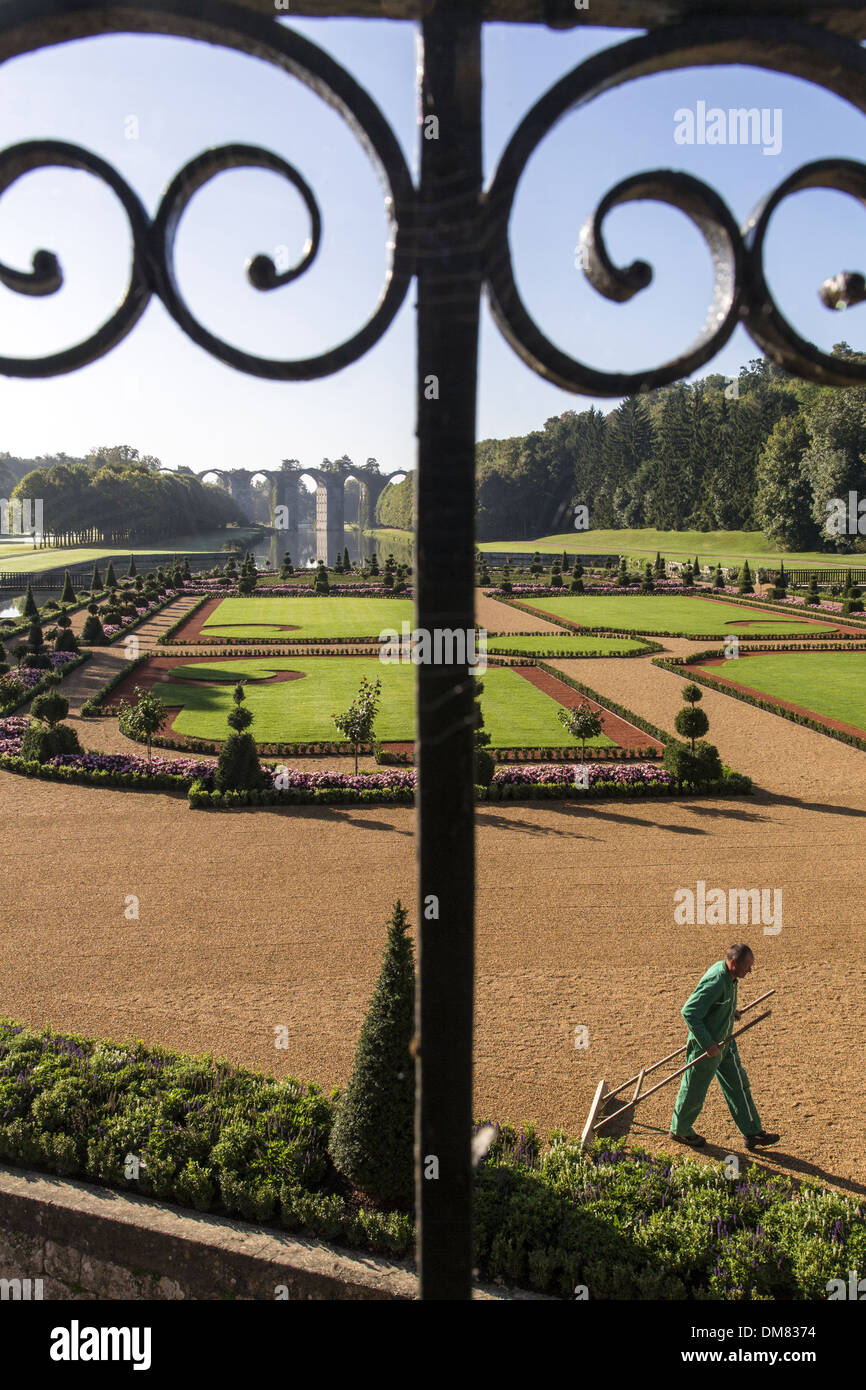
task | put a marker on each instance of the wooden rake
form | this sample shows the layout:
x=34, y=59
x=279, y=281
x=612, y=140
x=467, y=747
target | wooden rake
x=603, y=1095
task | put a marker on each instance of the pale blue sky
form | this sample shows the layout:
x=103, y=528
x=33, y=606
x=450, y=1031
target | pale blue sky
x=163, y=394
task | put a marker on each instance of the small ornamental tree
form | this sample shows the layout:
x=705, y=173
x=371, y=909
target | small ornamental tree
x=68, y=595
x=506, y=586
x=622, y=577
x=95, y=579
x=238, y=767
x=813, y=596
x=347, y=563
x=338, y=564
x=286, y=568
x=484, y=765
x=30, y=609
x=110, y=576
x=45, y=737
x=356, y=724
x=565, y=563
x=93, y=633
x=536, y=566
x=687, y=575
x=555, y=576
x=65, y=640
x=719, y=578
x=647, y=583
x=691, y=722
x=696, y=567
x=131, y=572
x=321, y=584
x=374, y=563
x=746, y=586
x=143, y=718
x=372, y=1139
x=576, y=585
x=582, y=723
x=37, y=656
x=659, y=567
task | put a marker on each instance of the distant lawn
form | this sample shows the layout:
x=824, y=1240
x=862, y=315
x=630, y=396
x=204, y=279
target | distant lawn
x=552, y=644
x=298, y=711
x=728, y=547
x=832, y=684
x=685, y=616
x=307, y=617
x=18, y=560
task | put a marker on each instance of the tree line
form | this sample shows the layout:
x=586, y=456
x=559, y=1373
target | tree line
x=761, y=452
x=117, y=496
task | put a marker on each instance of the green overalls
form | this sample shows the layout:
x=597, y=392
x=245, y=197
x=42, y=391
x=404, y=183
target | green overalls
x=709, y=1015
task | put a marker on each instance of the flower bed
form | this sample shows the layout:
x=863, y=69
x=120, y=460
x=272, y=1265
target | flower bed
x=624, y=1223
x=35, y=678
x=11, y=734
x=660, y=586
x=297, y=591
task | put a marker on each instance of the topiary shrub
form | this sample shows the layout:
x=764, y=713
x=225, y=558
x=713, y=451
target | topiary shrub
x=372, y=1139
x=39, y=743
x=692, y=723
x=68, y=595
x=238, y=767
x=93, y=633
x=50, y=707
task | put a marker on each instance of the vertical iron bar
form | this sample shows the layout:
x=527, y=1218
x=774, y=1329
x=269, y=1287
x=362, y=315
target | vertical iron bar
x=449, y=284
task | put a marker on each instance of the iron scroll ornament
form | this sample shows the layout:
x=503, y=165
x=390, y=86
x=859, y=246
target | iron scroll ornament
x=740, y=291
x=152, y=270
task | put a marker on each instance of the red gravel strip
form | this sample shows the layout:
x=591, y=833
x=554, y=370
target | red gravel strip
x=774, y=699
x=622, y=733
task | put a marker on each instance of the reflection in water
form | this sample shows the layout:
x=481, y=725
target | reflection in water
x=307, y=546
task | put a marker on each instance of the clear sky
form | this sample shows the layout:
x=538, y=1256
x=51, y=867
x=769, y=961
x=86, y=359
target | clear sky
x=163, y=394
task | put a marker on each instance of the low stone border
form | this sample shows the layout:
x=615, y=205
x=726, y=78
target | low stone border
x=91, y=1243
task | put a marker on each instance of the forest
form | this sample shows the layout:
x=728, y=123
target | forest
x=761, y=452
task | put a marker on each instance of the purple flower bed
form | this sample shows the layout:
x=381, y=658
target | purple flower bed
x=202, y=588
x=666, y=586
x=186, y=769
x=32, y=675
x=362, y=781
x=11, y=734
x=622, y=774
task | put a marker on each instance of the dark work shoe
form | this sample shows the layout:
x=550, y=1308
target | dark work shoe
x=754, y=1141
x=694, y=1141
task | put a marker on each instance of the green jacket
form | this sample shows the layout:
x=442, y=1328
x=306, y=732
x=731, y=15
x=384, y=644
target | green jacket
x=709, y=1012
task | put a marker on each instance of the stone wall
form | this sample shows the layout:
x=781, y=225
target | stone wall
x=91, y=1243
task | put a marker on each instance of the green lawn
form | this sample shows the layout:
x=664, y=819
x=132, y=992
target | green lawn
x=554, y=644
x=685, y=616
x=307, y=617
x=728, y=547
x=22, y=559
x=829, y=683
x=515, y=712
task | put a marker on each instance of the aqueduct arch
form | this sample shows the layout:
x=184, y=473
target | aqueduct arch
x=330, y=496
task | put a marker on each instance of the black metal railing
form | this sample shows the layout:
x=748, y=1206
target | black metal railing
x=452, y=236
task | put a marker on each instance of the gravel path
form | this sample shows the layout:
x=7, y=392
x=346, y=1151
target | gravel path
x=248, y=920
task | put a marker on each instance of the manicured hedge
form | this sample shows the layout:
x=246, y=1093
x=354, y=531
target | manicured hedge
x=607, y=703
x=692, y=636
x=622, y=1223
x=169, y=632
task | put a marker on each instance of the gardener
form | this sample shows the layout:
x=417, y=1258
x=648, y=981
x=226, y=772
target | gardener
x=709, y=1014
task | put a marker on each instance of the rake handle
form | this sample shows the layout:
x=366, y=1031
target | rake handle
x=674, y=1074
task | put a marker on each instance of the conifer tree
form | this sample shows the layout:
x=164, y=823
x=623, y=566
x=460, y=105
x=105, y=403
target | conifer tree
x=372, y=1141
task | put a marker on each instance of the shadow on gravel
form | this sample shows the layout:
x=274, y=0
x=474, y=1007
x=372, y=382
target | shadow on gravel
x=779, y=799
x=785, y=1163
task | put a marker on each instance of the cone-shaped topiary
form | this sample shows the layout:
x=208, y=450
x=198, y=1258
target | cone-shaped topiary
x=813, y=596
x=320, y=583
x=719, y=578
x=131, y=572
x=30, y=609
x=95, y=579
x=347, y=563
x=68, y=595
x=110, y=576
x=746, y=585
x=372, y=1139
